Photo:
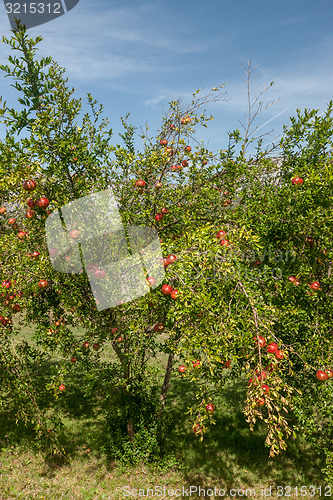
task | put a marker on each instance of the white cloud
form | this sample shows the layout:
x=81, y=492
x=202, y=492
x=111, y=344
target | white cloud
x=115, y=44
x=294, y=20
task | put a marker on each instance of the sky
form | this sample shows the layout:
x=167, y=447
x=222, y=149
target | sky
x=134, y=56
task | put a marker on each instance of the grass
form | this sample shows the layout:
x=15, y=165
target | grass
x=230, y=455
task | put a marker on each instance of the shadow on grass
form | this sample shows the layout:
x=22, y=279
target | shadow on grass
x=73, y=407
x=230, y=452
x=12, y=432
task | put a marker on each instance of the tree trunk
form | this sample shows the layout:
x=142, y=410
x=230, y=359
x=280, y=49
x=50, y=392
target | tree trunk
x=166, y=384
x=126, y=367
x=130, y=430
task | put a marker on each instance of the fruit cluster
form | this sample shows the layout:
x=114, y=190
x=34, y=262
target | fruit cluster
x=322, y=375
x=271, y=348
x=167, y=290
x=220, y=236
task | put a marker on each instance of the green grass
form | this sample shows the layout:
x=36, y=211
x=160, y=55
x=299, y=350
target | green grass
x=230, y=455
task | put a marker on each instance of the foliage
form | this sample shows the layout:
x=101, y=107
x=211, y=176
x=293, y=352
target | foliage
x=132, y=424
x=233, y=289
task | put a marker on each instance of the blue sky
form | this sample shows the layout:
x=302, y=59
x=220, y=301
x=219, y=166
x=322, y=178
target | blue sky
x=136, y=55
